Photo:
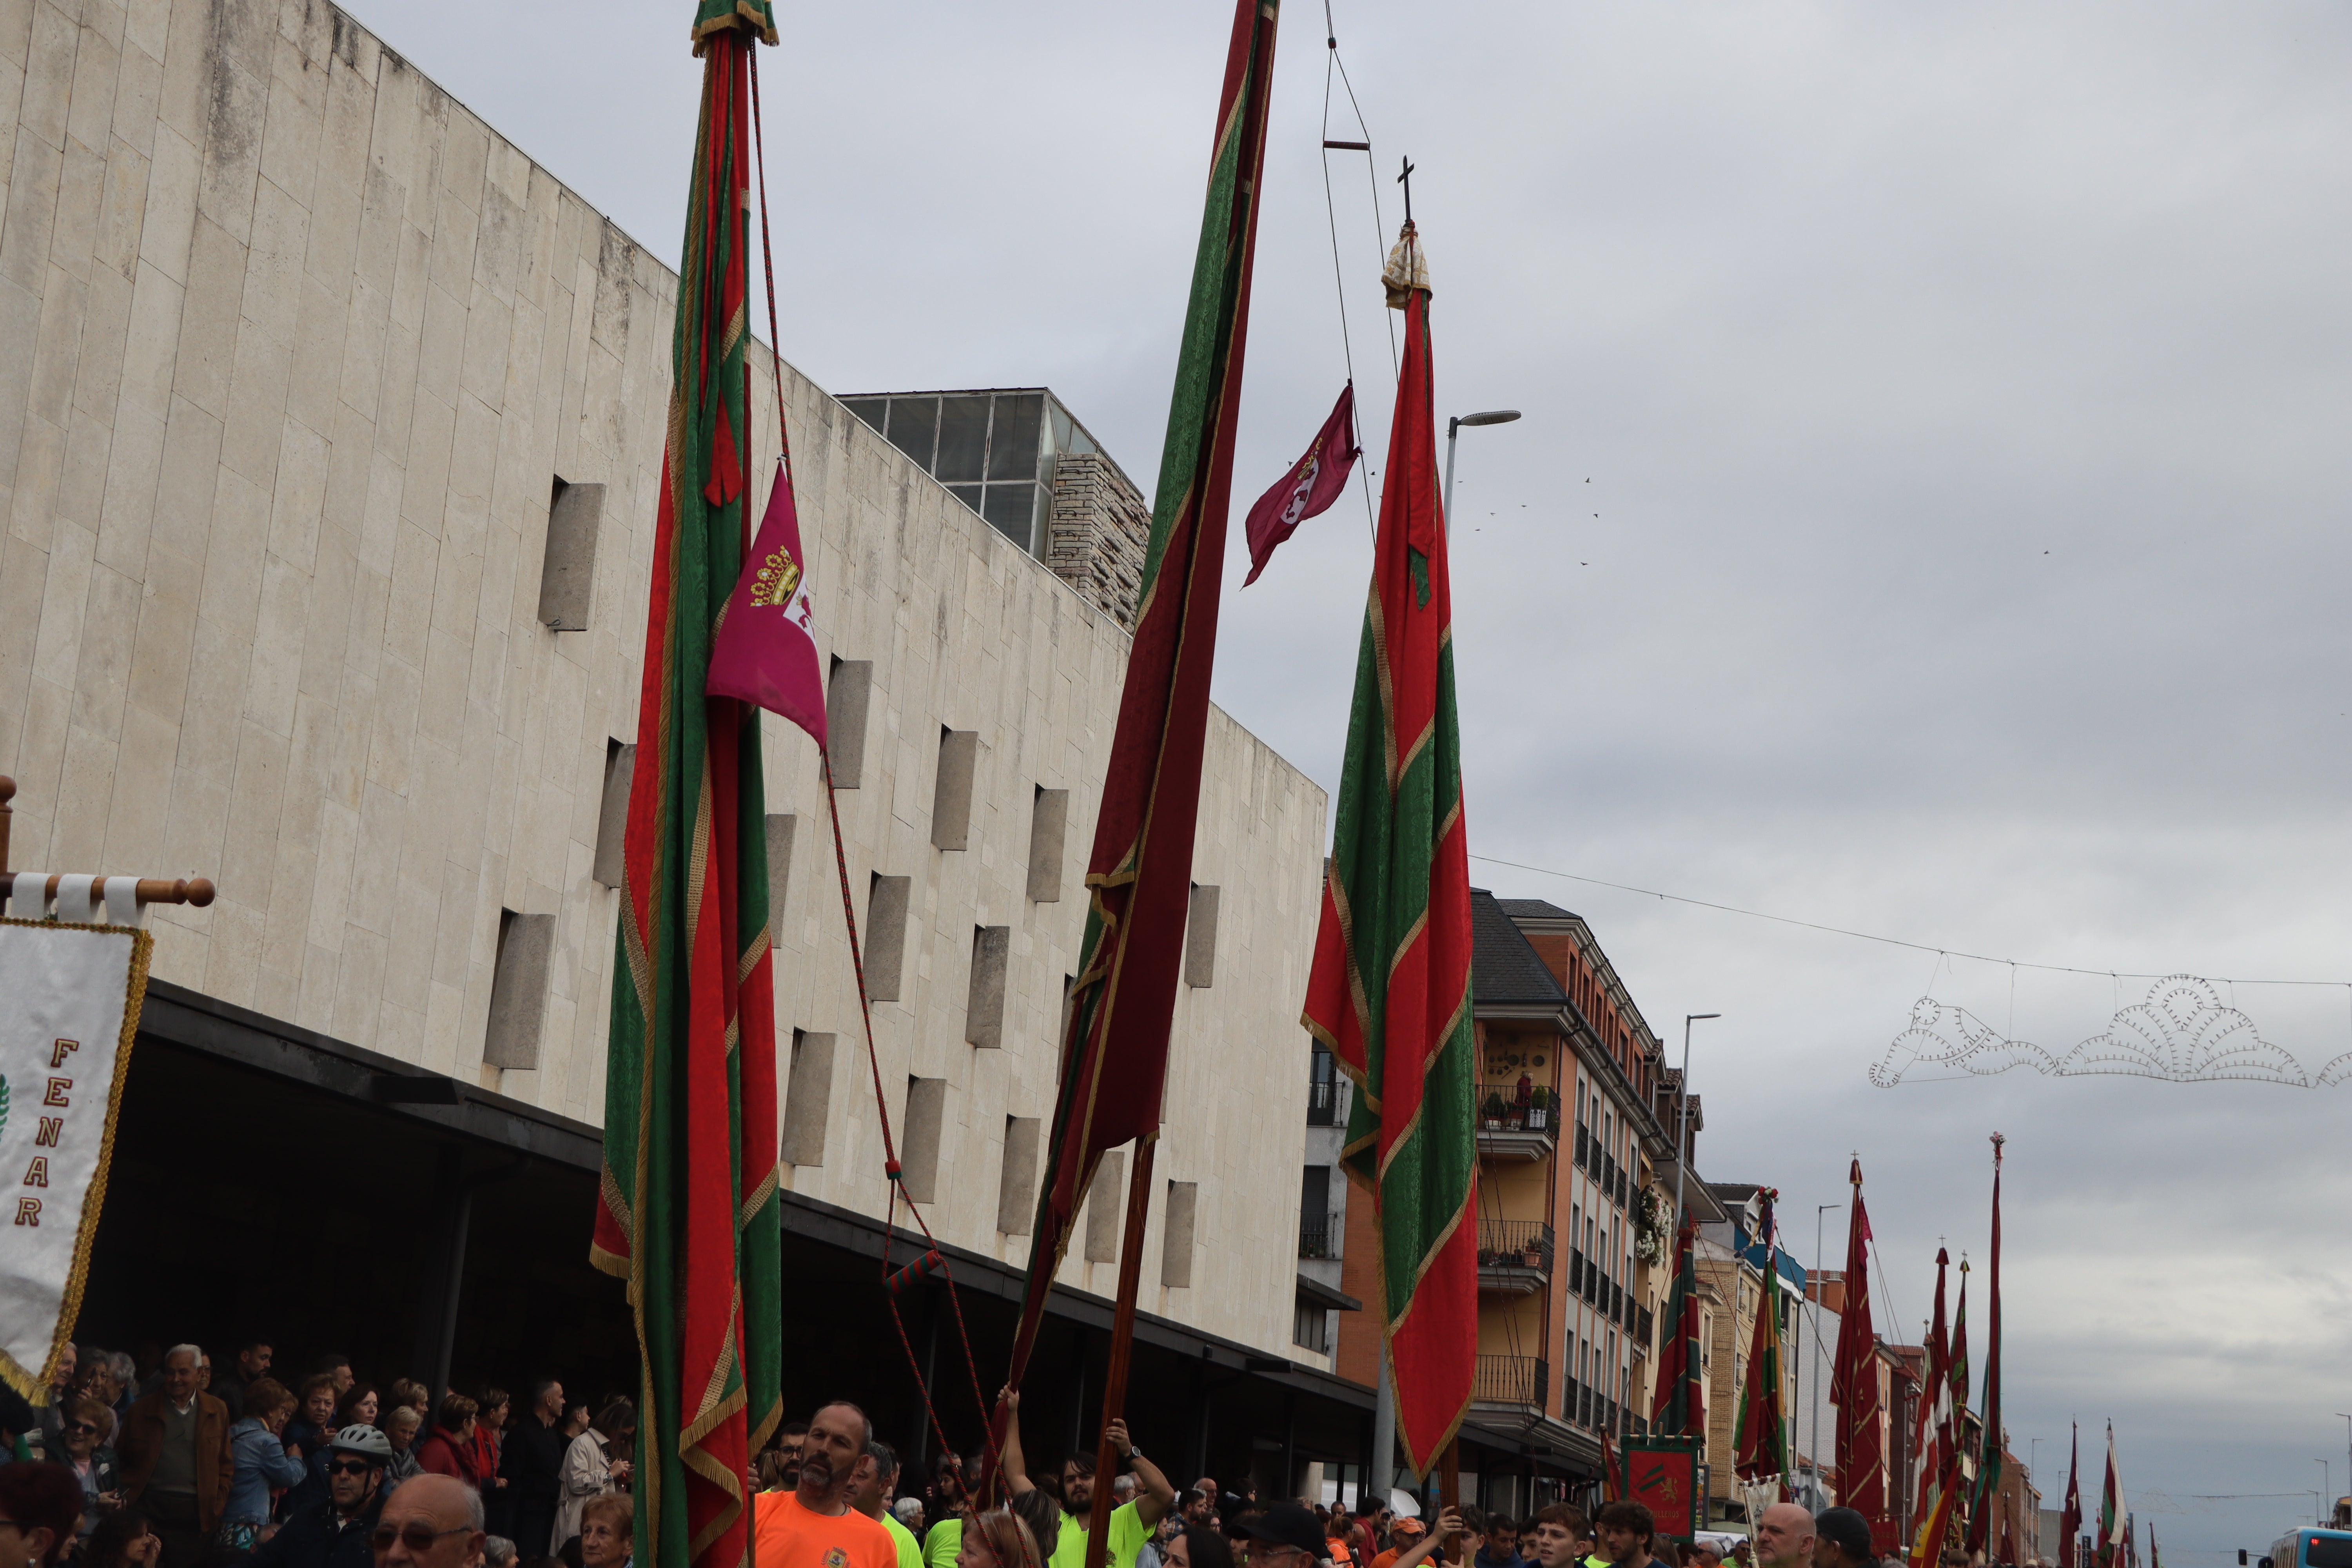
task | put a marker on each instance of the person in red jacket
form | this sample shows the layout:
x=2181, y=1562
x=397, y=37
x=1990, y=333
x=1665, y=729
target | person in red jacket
x=449, y=1451
x=489, y=1423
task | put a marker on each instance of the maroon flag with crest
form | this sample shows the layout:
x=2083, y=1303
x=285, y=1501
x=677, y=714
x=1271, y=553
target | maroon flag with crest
x=1313, y=483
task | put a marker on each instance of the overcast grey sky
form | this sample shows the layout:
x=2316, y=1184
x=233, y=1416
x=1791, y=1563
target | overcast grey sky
x=1927, y=519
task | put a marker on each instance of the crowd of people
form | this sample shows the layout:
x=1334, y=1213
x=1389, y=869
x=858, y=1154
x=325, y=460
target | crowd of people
x=182, y=1465
x=179, y=1466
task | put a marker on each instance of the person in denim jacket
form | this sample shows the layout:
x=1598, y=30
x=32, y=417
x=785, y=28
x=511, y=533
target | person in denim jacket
x=263, y=1463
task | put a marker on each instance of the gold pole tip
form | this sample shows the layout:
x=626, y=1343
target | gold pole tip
x=199, y=890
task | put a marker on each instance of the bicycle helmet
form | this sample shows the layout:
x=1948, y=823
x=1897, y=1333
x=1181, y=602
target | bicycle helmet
x=366, y=1441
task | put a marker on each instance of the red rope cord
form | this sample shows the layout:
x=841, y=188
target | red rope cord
x=849, y=912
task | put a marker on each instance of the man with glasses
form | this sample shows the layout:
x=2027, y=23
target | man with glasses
x=431, y=1522
x=335, y=1534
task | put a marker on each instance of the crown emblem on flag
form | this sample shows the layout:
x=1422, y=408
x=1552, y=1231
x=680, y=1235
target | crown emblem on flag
x=773, y=583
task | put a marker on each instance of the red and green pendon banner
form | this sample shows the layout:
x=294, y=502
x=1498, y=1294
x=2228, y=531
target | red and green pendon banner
x=1989, y=1458
x=687, y=1210
x=1390, y=991
x=1138, y=876
x=1679, y=1404
x=1763, y=1449
x=1854, y=1385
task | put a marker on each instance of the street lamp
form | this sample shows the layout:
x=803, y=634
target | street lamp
x=1453, y=433
x=2347, y=1459
x=1681, y=1109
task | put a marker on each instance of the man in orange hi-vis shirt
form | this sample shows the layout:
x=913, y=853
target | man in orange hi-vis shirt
x=815, y=1527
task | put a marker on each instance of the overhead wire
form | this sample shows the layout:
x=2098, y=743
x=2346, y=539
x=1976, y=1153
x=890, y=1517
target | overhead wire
x=1942, y=953
x=1331, y=217
x=932, y=1257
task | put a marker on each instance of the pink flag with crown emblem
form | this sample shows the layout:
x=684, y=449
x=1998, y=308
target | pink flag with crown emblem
x=1313, y=483
x=765, y=651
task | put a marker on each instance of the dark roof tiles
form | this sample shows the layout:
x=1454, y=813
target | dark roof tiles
x=1504, y=968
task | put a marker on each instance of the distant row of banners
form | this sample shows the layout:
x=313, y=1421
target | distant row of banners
x=69, y=1000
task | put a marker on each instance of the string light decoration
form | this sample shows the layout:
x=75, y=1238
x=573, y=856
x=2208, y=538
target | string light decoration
x=2182, y=1033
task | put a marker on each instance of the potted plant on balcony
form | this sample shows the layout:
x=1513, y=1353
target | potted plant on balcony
x=1649, y=1220
x=1539, y=1110
x=1493, y=1110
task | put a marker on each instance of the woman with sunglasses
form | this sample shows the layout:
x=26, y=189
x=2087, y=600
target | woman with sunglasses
x=261, y=1461
x=85, y=1425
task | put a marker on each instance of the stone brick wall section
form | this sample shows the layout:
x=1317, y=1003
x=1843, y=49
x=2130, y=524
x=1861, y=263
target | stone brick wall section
x=1096, y=536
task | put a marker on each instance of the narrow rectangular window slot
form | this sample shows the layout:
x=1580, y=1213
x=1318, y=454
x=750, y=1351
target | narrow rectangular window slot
x=518, y=983
x=918, y=1145
x=951, y=796
x=808, y=1098
x=1201, y=938
x=782, y=829
x=1106, y=1209
x=991, y=950
x=1049, y=830
x=848, y=694
x=1176, y=1250
x=886, y=936
x=1016, y=1192
x=567, y=577
x=612, y=813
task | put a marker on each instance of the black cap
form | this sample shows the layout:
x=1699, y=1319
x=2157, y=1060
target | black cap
x=1290, y=1524
x=1847, y=1531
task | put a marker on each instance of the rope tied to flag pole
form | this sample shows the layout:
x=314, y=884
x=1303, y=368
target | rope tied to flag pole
x=895, y=1282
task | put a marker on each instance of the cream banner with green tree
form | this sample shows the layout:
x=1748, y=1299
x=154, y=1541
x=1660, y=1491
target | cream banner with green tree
x=70, y=999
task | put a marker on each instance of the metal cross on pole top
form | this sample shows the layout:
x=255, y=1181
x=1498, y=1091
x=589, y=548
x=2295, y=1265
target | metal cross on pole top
x=195, y=891
x=1405, y=179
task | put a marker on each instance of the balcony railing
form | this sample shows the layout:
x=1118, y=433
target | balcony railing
x=1322, y=1101
x=1514, y=1128
x=1514, y=1255
x=1318, y=1236
x=1644, y=1328
x=1502, y=1109
x=1511, y=1380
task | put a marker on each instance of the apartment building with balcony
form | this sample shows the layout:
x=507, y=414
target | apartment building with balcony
x=1567, y=1146
x=1323, y=1212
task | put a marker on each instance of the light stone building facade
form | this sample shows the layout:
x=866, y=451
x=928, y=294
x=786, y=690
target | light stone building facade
x=296, y=356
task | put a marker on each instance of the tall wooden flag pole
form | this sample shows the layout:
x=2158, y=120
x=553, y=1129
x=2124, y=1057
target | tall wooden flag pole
x=1138, y=876
x=687, y=1210
x=1390, y=990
